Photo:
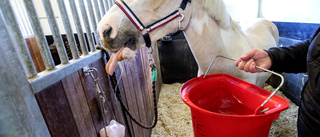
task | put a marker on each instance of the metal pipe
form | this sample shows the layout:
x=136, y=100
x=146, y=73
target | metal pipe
x=102, y=9
x=26, y=21
x=67, y=27
x=86, y=25
x=93, y=20
x=75, y=15
x=47, y=78
x=106, y=5
x=40, y=37
x=110, y=4
x=20, y=115
x=97, y=11
x=55, y=32
x=18, y=41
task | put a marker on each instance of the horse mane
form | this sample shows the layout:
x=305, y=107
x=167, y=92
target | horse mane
x=218, y=11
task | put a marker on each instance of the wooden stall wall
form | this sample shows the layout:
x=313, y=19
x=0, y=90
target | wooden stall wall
x=70, y=107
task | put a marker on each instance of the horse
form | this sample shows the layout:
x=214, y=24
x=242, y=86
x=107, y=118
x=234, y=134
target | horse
x=207, y=26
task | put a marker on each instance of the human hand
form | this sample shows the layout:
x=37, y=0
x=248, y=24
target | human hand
x=253, y=58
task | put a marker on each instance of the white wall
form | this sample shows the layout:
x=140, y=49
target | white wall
x=242, y=9
x=291, y=10
x=275, y=10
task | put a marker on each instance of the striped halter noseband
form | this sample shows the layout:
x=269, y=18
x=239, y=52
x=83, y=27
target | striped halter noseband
x=146, y=30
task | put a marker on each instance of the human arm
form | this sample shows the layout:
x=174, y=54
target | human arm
x=292, y=59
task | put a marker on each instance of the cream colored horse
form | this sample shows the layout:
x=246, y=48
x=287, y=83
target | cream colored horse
x=207, y=26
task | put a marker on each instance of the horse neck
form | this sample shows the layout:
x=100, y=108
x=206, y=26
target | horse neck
x=207, y=39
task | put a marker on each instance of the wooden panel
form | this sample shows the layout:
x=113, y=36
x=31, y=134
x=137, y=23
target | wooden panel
x=139, y=93
x=116, y=104
x=78, y=93
x=35, y=54
x=147, y=87
x=155, y=55
x=78, y=104
x=147, y=76
x=112, y=107
x=144, y=90
x=110, y=96
x=56, y=111
x=130, y=97
x=93, y=100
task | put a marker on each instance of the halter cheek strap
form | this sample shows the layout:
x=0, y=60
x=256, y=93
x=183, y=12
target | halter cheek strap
x=146, y=30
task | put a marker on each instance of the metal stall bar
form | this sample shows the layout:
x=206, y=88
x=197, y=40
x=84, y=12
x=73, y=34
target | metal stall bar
x=19, y=43
x=86, y=25
x=110, y=4
x=55, y=32
x=20, y=115
x=75, y=15
x=93, y=20
x=47, y=78
x=25, y=18
x=40, y=37
x=67, y=27
x=106, y=5
x=102, y=9
x=97, y=11
x=22, y=21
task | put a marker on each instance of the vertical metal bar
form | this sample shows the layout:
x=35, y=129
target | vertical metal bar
x=55, y=32
x=102, y=10
x=67, y=27
x=97, y=11
x=110, y=4
x=86, y=25
x=40, y=37
x=19, y=7
x=20, y=114
x=106, y=5
x=75, y=15
x=91, y=13
x=26, y=21
x=93, y=20
x=19, y=43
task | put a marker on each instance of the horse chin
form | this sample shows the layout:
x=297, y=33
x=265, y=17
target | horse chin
x=127, y=53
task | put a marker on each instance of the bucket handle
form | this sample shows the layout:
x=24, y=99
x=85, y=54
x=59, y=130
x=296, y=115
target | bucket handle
x=274, y=92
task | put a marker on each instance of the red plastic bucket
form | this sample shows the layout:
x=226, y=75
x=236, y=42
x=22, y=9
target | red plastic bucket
x=223, y=106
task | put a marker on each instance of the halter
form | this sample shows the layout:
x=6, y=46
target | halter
x=146, y=30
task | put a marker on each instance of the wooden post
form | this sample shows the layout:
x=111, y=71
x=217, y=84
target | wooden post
x=35, y=54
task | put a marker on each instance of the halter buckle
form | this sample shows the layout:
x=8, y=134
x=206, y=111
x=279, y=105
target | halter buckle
x=181, y=17
x=180, y=20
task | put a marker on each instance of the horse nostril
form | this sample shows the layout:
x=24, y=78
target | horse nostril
x=107, y=32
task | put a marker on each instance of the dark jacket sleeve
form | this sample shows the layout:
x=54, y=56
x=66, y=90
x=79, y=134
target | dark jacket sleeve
x=292, y=59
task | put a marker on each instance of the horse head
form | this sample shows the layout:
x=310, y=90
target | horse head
x=132, y=24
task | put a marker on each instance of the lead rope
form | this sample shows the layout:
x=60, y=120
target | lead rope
x=117, y=92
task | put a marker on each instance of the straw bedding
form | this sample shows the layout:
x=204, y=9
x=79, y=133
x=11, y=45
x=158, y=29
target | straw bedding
x=175, y=116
